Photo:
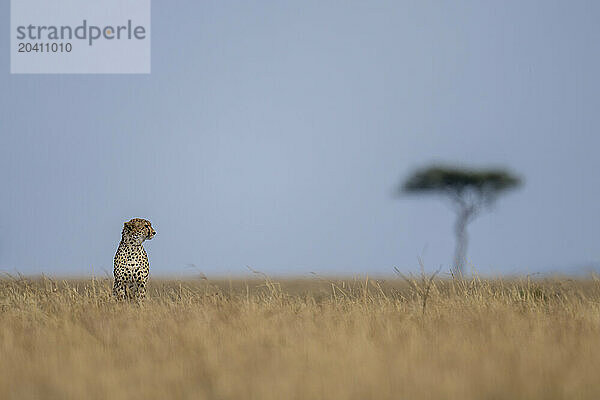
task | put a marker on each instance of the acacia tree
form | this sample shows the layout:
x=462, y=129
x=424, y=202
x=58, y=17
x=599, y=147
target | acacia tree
x=468, y=190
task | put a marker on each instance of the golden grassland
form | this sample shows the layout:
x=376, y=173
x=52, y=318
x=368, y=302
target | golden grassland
x=302, y=339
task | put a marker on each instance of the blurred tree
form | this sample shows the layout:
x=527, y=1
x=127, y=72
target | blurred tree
x=468, y=190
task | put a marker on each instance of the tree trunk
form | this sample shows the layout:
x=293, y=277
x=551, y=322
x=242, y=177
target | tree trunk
x=460, y=231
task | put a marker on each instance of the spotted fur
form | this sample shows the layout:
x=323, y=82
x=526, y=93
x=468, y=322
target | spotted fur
x=131, y=261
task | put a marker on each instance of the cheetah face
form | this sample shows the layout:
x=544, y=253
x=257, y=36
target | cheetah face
x=139, y=230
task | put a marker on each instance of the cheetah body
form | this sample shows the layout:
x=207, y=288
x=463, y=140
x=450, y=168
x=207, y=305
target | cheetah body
x=131, y=267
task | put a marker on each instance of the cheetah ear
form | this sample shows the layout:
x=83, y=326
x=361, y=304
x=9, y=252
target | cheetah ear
x=128, y=225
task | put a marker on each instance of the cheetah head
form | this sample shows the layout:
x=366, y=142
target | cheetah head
x=139, y=230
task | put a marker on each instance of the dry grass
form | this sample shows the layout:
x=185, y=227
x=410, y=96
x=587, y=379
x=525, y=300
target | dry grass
x=302, y=339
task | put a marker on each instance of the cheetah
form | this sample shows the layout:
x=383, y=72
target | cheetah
x=131, y=261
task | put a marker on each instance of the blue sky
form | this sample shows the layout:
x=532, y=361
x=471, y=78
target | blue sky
x=273, y=134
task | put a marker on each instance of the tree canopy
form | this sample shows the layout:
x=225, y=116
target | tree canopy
x=485, y=184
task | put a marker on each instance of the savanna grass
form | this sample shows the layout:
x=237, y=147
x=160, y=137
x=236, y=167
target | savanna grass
x=320, y=338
